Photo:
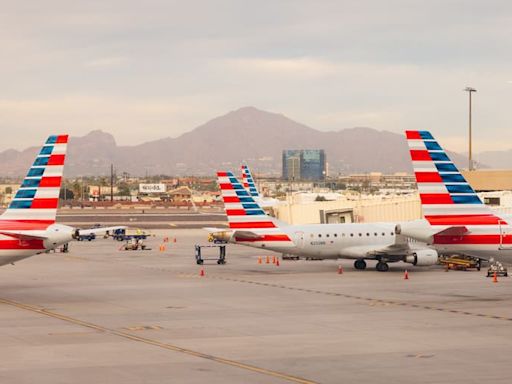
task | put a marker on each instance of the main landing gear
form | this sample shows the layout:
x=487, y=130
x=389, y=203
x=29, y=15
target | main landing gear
x=360, y=264
x=382, y=266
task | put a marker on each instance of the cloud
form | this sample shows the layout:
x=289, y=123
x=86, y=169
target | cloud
x=26, y=122
x=303, y=66
x=106, y=62
x=142, y=71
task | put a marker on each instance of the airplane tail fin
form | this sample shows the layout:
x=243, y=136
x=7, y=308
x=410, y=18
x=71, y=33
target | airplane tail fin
x=248, y=182
x=37, y=199
x=246, y=218
x=446, y=197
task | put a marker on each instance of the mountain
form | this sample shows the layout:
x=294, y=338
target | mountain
x=247, y=134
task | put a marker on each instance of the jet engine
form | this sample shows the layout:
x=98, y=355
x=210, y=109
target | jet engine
x=220, y=236
x=422, y=257
x=58, y=234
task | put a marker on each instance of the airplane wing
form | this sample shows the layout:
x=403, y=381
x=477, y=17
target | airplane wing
x=392, y=250
x=228, y=233
x=399, y=248
x=246, y=235
x=23, y=235
x=213, y=229
x=100, y=230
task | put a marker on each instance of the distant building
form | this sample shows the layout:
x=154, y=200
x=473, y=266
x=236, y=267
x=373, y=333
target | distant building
x=181, y=195
x=304, y=164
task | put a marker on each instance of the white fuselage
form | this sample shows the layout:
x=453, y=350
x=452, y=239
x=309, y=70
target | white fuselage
x=333, y=241
x=363, y=240
x=480, y=241
x=13, y=249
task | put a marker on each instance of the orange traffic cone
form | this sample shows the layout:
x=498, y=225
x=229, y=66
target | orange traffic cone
x=277, y=262
x=259, y=259
x=201, y=272
x=273, y=259
x=268, y=260
x=174, y=240
x=495, y=277
x=340, y=269
x=406, y=275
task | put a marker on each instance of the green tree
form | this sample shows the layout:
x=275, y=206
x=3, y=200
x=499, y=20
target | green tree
x=123, y=188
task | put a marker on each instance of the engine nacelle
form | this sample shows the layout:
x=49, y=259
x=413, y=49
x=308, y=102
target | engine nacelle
x=58, y=234
x=419, y=230
x=422, y=257
x=223, y=236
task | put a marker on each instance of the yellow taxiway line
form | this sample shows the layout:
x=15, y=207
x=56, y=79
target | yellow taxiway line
x=156, y=343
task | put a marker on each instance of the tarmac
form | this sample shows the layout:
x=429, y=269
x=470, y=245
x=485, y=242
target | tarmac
x=145, y=218
x=100, y=315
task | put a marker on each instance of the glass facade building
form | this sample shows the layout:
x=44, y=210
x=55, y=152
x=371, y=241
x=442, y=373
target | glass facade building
x=304, y=164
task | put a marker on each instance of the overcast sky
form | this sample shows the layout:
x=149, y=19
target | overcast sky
x=144, y=70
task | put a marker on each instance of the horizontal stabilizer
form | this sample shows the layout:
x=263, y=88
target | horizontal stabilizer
x=246, y=235
x=100, y=230
x=23, y=235
x=214, y=230
x=453, y=231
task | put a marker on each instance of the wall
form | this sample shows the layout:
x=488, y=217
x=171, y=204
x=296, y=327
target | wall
x=401, y=208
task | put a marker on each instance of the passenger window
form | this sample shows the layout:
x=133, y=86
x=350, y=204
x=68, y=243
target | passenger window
x=327, y=235
x=335, y=235
x=351, y=235
x=392, y=234
x=360, y=234
x=383, y=234
x=367, y=234
x=375, y=234
x=319, y=235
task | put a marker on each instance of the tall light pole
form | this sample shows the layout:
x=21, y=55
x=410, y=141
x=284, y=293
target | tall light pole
x=470, y=91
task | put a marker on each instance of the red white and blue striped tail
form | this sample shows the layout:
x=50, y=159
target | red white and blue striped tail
x=248, y=182
x=37, y=199
x=446, y=197
x=246, y=218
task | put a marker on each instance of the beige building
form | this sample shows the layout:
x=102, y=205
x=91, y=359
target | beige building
x=346, y=210
x=489, y=180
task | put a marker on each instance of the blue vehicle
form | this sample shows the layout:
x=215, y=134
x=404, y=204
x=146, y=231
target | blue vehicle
x=88, y=237
x=122, y=234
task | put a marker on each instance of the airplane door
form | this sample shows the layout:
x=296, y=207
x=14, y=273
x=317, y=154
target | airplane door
x=505, y=236
x=299, y=235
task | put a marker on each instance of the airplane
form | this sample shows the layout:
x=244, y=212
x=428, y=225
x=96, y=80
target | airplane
x=249, y=225
x=28, y=226
x=248, y=182
x=455, y=219
x=250, y=186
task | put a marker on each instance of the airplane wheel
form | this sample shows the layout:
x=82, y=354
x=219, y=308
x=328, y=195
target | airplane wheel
x=382, y=267
x=360, y=264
